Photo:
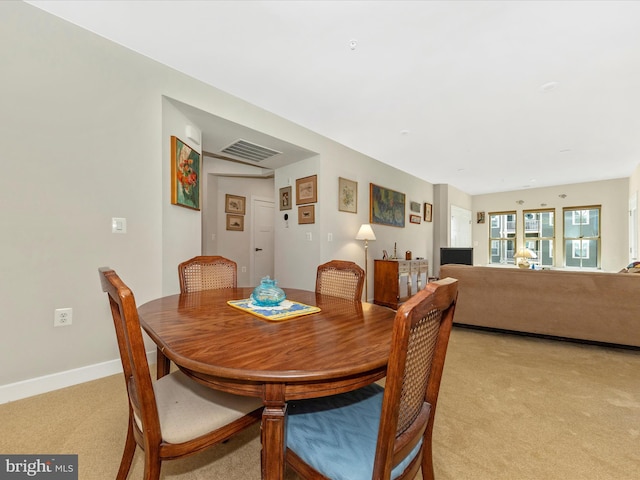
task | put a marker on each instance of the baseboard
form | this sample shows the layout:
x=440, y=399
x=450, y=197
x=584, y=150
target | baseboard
x=545, y=336
x=48, y=383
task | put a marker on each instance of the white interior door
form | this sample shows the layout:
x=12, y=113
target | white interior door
x=633, y=228
x=460, y=227
x=262, y=248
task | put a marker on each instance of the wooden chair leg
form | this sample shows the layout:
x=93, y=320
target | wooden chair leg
x=151, y=466
x=127, y=455
x=427, y=461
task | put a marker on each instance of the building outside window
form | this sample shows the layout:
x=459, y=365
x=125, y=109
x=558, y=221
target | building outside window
x=502, y=237
x=582, y=237
x=539, y=235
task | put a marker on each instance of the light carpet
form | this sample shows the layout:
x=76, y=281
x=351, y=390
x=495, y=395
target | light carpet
x=511, y=407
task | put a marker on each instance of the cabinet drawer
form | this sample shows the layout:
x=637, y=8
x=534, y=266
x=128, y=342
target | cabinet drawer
x=404, y=267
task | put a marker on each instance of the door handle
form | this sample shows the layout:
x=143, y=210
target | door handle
x=258, y=249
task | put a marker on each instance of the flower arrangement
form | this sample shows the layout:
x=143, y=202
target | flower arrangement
x=185, y=169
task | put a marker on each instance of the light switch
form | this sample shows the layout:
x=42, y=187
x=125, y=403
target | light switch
x=309, y=237
x=118, y=225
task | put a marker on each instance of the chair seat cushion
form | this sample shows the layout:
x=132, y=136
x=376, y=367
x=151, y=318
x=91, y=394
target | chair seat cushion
x=337, y=435
x=188, y=410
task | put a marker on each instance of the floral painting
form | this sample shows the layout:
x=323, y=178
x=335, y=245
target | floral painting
x=347, y=195
x=185, y=175
x=387, y=206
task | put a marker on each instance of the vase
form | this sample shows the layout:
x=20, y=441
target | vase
x=267, y=294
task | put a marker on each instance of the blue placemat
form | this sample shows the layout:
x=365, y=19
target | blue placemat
x=286, y=310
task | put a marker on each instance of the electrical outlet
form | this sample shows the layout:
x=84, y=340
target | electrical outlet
x=244, y=269
x=62, y=317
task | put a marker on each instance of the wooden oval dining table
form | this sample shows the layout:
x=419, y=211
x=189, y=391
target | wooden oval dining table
x=342, y=347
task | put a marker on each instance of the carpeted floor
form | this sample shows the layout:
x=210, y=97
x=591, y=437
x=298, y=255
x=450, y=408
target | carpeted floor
x=511, y=408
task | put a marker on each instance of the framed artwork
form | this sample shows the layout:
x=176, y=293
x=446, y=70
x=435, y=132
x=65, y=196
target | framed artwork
x=414, y=207
x=185, y=175
x=285, y=198
x=307, y=214
x=428, y=214
x=234, y=204
x=235, y=222
x=386, y=207
x=414, y=218
x=347, y=195
x=480, y=217
x=307, y=190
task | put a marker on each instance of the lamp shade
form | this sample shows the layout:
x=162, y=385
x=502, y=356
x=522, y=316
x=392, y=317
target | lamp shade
x=365, y=233
x=525, y=253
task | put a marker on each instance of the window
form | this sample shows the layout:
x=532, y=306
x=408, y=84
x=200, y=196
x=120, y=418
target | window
x=502, y=237
x=539, y=235
x=582, y=237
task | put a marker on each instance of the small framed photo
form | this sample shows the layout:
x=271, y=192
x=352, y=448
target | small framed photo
x=347, y=195
x=285, y=198
x=480, y=217
x=235, y=222
x=307, y=190
x=428, y=214
x=414, y=207
x=307, y=214
x=234, y=204
x=414, y=218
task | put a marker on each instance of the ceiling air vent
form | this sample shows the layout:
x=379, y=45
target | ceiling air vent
x=249, y=151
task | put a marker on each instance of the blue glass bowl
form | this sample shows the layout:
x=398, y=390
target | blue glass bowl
x=267, y=294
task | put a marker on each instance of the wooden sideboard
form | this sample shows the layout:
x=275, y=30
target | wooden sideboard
x=396, y=280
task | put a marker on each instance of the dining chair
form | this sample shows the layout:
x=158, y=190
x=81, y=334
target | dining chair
x=379, y=432
x=207, y=273
x=196, y=274
x=340, y=278
x=174, y=416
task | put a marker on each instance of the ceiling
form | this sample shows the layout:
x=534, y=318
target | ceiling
x=485, y=96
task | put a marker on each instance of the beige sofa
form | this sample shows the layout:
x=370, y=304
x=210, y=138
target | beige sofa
x=591, y=306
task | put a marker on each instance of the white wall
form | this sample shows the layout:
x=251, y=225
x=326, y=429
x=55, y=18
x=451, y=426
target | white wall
x=81, y=143
x=213, y=210
x=86, y=128
x=445, y=197
x=634, y=189
x=297, y=258
x=611, y=194
x=233, y=244
x=181, y=227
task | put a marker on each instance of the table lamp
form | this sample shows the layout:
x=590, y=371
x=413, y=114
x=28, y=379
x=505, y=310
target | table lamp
x=365, y=233
x=522, y=257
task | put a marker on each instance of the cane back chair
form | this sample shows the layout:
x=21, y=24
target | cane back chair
x=207, y=273
x=340, y=278
x=174, y=416
x=374, y=432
